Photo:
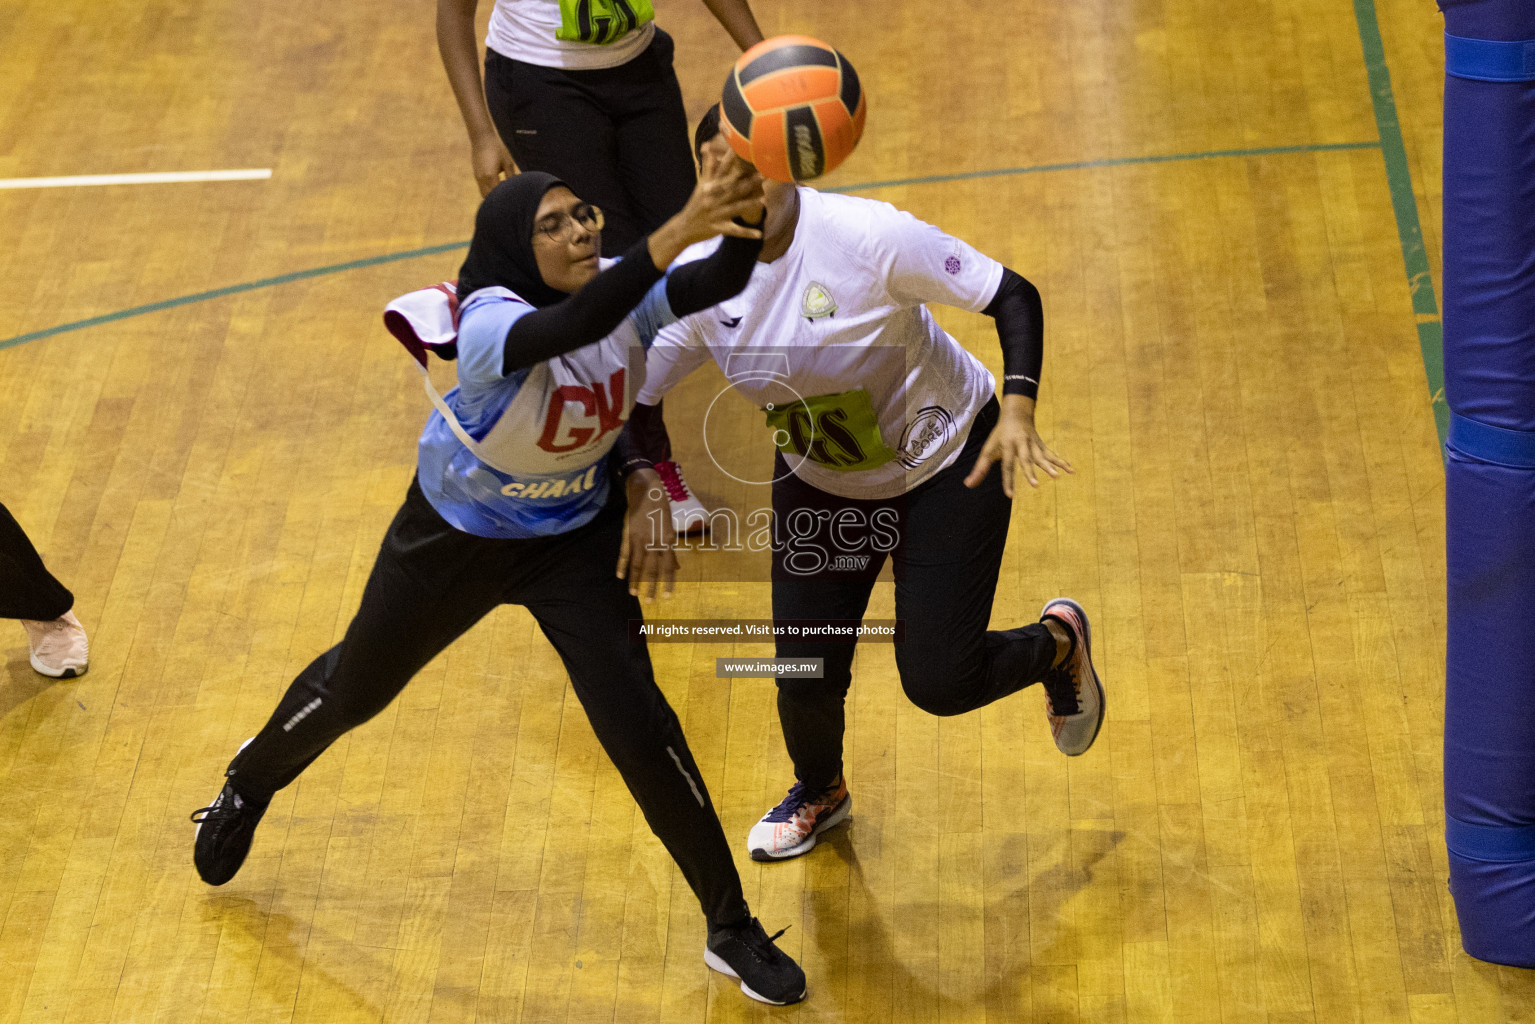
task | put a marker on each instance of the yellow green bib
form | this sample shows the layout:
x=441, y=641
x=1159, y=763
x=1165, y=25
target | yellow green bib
x=601, y=22
x=838, y=431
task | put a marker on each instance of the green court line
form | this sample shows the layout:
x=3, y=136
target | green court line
x=1324, y=147
x=1405, y=204
x=234, y=289
x=432, y=250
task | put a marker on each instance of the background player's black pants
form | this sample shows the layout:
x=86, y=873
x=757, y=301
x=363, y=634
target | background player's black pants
x=27, y=589
x=946, y=562
x=431, y=583
x=617, y=136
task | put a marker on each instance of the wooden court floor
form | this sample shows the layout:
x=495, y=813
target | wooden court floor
x=1255, y=524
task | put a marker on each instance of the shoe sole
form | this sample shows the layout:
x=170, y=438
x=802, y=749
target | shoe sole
x=717, y=963
x=1087, y=631
x=836, y=817
x=69, y=672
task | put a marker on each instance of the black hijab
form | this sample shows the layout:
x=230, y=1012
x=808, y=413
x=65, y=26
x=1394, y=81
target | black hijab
x=501, y=252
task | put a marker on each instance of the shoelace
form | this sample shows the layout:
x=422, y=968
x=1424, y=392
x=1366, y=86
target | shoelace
x=671, y=478
x=799, y=795
x=218, y=801
x=201, y=814
x=1060, y=688
x=758, y=942
x=1062, y=692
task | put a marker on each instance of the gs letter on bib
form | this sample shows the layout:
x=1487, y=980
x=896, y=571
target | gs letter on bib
x=601, y=22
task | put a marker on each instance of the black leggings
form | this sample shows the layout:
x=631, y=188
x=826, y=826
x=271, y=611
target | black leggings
x=431, y=583
x=948, y=553
x=617, y=136
x=27, y=589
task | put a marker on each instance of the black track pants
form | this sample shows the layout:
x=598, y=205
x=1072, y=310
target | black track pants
x=947, y=556
x=617, y=136
x=431, y=583
x=27, y=589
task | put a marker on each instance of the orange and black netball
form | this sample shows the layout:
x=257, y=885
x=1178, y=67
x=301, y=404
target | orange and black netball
x=793, y=107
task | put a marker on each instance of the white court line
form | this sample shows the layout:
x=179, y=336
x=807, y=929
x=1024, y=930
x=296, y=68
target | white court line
x=159, y=178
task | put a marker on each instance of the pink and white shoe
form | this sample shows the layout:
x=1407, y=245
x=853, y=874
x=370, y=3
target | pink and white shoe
x=792, y=827
x=59, y=647
x=1073, y=692
x=688, y=513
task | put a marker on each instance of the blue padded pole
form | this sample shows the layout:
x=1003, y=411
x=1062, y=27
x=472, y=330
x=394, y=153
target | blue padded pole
x=1489, y=369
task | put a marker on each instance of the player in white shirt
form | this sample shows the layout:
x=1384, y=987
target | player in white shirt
x=887, y=429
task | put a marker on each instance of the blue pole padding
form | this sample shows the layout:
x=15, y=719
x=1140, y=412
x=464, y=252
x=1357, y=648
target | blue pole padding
x=1489, y=363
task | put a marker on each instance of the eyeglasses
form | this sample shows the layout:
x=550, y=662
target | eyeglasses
x=557, y=225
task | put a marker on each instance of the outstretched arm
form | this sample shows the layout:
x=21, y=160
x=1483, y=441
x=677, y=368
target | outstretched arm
x=461, y=60
x=726, y=192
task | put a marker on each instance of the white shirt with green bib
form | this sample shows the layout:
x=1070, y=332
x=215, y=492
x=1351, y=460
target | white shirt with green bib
x=577, y=35
x=879, y=396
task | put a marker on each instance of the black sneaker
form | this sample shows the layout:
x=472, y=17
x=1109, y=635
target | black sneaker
x=225, y=829
x=746, y=952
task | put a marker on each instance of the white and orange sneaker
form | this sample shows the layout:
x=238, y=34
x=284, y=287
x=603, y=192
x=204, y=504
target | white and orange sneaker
x=688, y=513
x=1073, y=692
x=59, y=646
x=792, y=827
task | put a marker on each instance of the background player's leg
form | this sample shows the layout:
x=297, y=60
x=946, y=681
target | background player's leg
x=585, y=610
x=553, y=121
x=946, y=578
x=27, y=589
x=431, y=582
x=29, y=592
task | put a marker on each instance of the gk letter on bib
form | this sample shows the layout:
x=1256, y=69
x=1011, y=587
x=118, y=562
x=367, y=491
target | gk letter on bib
x=839, y=431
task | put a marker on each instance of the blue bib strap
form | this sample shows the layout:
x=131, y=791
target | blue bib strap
x=1498, y=446
x=1489, y=60
x=1501, y=844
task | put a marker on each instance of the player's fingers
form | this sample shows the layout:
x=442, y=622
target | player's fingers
x=669, y=573
x=655, y=571
x=983, y=463
x=486, y=183
x=1040, y=456
x=730, y=227
x=623, y=553
x=1009, y=461
x=1026, y=460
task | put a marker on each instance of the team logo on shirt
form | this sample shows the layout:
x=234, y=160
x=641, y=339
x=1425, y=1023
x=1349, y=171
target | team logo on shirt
x=557, y=488
x=925, y=433
x=952, y=264
x=817, y=301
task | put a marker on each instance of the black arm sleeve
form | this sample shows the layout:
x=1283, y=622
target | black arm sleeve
x=628, y=456
x=588, y=315
x=704, y=283
x=645, y=441
x=1020, y=317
